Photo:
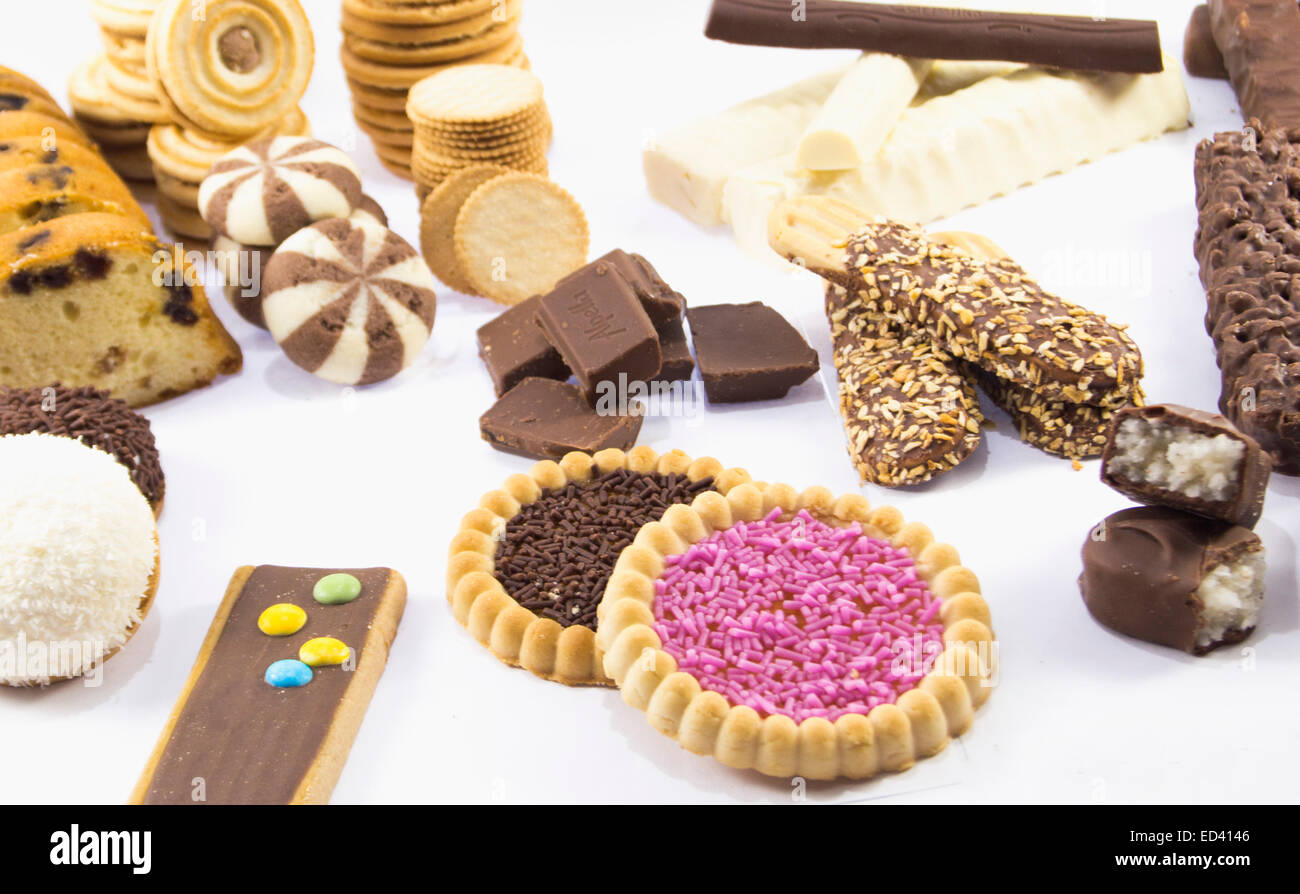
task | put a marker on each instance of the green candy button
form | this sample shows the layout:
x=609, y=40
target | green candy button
x=336, y=589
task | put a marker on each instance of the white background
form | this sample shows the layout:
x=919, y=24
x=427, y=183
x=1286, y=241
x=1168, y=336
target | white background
x=274, y=466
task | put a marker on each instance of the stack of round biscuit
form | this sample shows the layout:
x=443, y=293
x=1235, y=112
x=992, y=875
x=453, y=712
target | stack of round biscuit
x=112, y=97
x=477, y=114
x=389, y=47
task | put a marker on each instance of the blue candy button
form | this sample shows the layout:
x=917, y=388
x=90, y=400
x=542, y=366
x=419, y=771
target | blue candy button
x=288, y=673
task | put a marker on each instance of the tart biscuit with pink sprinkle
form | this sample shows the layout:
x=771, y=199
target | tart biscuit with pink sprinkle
x=526, y=571
x=797, y=634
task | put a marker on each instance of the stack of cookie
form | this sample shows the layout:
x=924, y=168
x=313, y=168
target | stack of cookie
x=389, y=47
x=88, y=297
x=112, y=96
x=477, y=115
x=214, y=106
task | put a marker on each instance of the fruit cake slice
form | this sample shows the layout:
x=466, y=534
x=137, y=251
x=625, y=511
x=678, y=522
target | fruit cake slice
x=95, y=299
x=39, y=193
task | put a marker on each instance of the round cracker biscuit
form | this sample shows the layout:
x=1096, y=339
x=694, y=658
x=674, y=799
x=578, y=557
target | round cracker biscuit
x=364, y=26
x=518, y=234
x=402, y=77
x=475, y=94
x=438, y=214
x=432, y=53
x=418, y=14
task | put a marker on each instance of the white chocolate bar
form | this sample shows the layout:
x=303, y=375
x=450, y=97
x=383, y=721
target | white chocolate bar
x=687, y=168
x=863, y=108
x=962, y=149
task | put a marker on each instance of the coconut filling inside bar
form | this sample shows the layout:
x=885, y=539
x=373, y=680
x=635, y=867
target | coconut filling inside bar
x=1178, y=459
x=1232, y=595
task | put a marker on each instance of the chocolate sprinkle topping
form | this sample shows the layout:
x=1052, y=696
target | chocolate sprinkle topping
x=558, y=552
x=93, y=418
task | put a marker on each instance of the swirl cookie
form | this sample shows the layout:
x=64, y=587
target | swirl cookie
x=234, y=71
x=526, y=571
x=267, y=190
x=349, y=301
x=797, y=634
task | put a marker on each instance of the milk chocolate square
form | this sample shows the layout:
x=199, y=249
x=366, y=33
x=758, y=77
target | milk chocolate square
x=595, y=319
x=513, y=348
x=546, y=419
x=748, y=352
x=678, y=364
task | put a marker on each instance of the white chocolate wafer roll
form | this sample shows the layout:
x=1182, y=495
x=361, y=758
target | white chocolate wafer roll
x=962, y=149
x=861, y=111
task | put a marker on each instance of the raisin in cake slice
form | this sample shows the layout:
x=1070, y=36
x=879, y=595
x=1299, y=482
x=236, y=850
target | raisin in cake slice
x=85, y=300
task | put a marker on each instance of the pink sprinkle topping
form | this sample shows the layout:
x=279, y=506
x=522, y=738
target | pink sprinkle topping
x=798, y=618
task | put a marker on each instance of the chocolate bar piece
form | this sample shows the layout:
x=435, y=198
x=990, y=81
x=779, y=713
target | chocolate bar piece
x=1168, y=455
x=1073, y=42
x=235, y=738
x=546, y=419
x=909, y=412
x=678, y=364
x=1248, y=246
x=748, y=352
x=658, y=299
x=513, y=348
x=594, y=318
x=1259, y=41
x=1200, y=53
x=1174, y=579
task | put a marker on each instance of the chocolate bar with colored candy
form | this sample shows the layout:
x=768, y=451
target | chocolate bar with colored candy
x=1174, y=579
x=277, y=694
x=546, y=419
x=595, y=319
x=513, y=348
x=1187, y=459
x=925, y=32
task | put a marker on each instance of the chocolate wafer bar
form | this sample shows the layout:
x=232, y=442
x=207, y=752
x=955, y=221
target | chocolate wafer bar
x=987, y=312
x=909, y=412
x=1074, y=42
x=1248, y=247
x=236, y=737
x=1259, y=41
x=1169, y=455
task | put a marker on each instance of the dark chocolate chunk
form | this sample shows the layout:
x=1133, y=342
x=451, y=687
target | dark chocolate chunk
x=1145, y=573
x=546, y=419
x=677, y=365
x=748, y=352
x=1168, y=455
x=1200, y=53
x=92, y=264
x=1074, y=42
x=594, y=318
x=513, y=348
x=1259, y=41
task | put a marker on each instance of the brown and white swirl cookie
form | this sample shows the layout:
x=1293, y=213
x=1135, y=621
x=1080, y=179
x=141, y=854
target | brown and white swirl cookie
x=349, y=301
x=267, y=190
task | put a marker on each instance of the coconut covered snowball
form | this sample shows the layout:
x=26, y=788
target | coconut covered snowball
x=77, y=550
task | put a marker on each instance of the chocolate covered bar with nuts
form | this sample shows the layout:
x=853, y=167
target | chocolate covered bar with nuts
x=1068, y=430
x=1187, y=459
x=909, y=413
x=1248, y=247
x=1174, y=579
x=988, y=312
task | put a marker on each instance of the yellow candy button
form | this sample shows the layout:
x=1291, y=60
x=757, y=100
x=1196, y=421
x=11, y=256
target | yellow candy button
x=282, y=619
x=323, y=651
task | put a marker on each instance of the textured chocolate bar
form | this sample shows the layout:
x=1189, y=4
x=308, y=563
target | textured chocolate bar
x=1248, y=247
x=1073, y=42
x=1260, y=42
x=1175, y=456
